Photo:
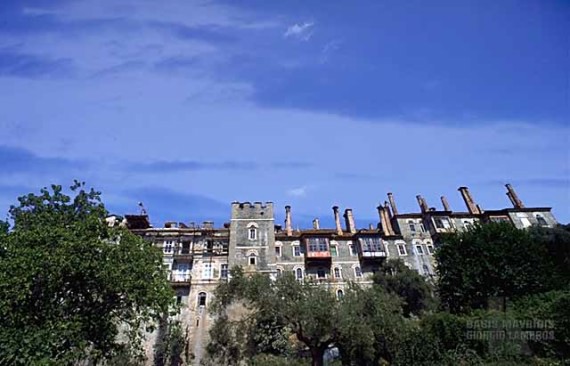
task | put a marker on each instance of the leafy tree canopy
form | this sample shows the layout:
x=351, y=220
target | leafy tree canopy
x=72, y=288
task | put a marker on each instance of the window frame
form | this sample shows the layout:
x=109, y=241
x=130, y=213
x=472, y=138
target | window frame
x=405, y=251
x=357, y=272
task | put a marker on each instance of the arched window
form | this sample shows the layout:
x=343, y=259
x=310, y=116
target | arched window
x=339, y=294
x=358, y=272
x=252, y=233
x=202, y=299
x=279, y=272
x=252, y=259
x=299, y=273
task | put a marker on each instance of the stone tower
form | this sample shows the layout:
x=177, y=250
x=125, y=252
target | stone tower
x=252, y=237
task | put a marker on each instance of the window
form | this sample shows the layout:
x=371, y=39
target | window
x=430, y=249
x=426, y=270
x=352, y=250
x=168, y=246
x=334, y=251
x=371, y=245
x=339, y=294
x=279, y=272
x=357, y=272
x=317, y=244
x=541, y=221
x=321, y=273
x=252, y=259
x=402, y=249
x=422, y=228
x=179, y=299
x=252, y=233
x=412, y=226
x=202, y=299
x=442, y=223
x=419, y=249
x=296, y=251
x=278, y=251
x=299, y=273
x=466, y=224
x=337, y=272
x=224, y=271
x=207, y=271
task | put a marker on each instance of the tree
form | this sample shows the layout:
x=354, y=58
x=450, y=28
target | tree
x=72, y=288
x=490, y=260
x=396, y=278
x=368, y=326
x=309, y=311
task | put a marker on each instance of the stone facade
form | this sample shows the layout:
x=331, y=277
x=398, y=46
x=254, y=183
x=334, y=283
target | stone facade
x=199, y=257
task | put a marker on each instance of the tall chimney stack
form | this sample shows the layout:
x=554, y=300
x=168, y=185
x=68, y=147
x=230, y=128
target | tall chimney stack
x=392, y=203
x=517, y=203
x=422, y=202
x=288, y=226
x=385, y=220
x=337, y=220
x=445, y=204
x=349, y=218
x=316, y=225
x=387, y=208
x=473, y=208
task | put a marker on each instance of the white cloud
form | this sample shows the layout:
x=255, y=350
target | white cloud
x=297, y=192
x=329, y=49
x=300, y=31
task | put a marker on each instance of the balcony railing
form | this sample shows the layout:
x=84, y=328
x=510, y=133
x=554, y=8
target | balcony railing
x=180, y=277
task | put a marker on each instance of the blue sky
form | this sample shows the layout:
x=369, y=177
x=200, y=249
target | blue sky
x=187, y=105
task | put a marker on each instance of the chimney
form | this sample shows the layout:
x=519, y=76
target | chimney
x=316, y=225
x=422, y=202
x=473, y=208
x=392, y=203
x=445, y=204
x=288, y=226
x=517, y=203
x=337, y=220
x=385, y=220
x=349, y=218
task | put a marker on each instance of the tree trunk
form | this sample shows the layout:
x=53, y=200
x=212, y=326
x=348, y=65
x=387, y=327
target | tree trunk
x=317, y=354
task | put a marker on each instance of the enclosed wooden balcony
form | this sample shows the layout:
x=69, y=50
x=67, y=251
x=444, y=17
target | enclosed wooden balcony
x=317, y=249
x=371, y=248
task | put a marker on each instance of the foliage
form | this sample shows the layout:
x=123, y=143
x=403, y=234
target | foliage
x=490, y=260
x=72, y=288
x=552, y=307
x=557, y=243
x=171, y=347
x=396, y=278
x=368, y=326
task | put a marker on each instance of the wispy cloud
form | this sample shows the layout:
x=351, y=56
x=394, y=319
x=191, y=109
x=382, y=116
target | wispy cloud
x=328, y=49
x=190, y=165
x=303, y=31
x=17, y=160
x=33, y=66
x=297, y=192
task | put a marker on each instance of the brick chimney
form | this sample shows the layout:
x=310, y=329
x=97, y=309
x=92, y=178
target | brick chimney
x=349, y=219
x=422, y=202
x=385, y=220
x=337, y=220
x=387, y=208
x=288, y=225
x=473, y=208
x=445, y=204
x=517, y=203
x=316, y=224
x=392, y=203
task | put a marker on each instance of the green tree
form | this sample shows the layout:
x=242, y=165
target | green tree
x=307, y=310
x=72, y=288
x=492, y=260
x=396, y=278
x=369, y=325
